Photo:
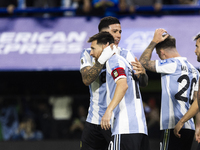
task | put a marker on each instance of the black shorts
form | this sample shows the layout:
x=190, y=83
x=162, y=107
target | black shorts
x=135, y=141
x=169, y=141
x=95, y=138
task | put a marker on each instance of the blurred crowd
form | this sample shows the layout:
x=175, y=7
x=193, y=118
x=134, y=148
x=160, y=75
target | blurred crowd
x=36, y=118
x=90, y=7
x=56, y=117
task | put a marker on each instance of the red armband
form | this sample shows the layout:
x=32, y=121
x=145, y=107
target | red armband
x=118, y=72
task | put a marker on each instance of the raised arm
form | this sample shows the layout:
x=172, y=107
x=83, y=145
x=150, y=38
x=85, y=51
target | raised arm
x=145, y=58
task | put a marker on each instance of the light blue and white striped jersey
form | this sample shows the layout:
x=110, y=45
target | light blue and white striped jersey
x=128, y=116
x=97, y=89
x=179, y=81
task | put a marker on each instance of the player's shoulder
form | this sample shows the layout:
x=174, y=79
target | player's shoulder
x=125, y=52
x=86, y=50
x=124, y=49
x=167, y=61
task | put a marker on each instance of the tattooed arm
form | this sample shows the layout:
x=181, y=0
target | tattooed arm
x=145, y=58
x=89, y=74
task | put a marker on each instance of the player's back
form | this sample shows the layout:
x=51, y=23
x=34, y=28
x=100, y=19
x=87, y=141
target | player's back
x=177, y=92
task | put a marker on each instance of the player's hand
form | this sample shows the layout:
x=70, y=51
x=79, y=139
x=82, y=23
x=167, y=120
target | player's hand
x=137, y=66
x=105, y=121
x=177, y=128
x=197, y=134
x=108, y=51
x=158, y=35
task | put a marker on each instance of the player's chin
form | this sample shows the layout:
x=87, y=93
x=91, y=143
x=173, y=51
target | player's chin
x=116, y=42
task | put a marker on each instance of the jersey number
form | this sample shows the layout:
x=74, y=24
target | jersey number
x=178, y=95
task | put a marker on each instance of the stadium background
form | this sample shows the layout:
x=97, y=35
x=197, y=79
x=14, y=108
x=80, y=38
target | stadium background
x=31, y=66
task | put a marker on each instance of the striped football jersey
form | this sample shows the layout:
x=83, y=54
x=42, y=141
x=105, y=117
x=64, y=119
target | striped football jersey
x=179, y=81
x=97, y=89
x=128, y=116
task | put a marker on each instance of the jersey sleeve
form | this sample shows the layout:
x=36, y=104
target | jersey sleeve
x=166, y=66
x=85, y=59
x=116, y=68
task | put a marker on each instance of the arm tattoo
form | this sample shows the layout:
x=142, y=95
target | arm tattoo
x=146, y=56
x=89, y=74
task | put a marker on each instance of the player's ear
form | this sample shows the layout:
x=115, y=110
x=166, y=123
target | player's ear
x=104, y=46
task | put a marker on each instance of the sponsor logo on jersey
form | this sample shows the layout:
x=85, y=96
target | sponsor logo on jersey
x=163, y=62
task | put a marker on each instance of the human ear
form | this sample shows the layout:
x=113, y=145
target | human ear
x=105, y=45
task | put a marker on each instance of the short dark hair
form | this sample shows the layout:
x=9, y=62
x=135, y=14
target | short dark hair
x=169, y=42
x=102, y=38
x=197, y=37
x=106, y=21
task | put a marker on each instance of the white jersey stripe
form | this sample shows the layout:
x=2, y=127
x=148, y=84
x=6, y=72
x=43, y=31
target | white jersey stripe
x=171, y=111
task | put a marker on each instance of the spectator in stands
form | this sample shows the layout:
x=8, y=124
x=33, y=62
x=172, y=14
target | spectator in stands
x=132, y=4
x=9, y=4
x=44, y=117
x=27, y=131
x=85, y=7
x=62, y=114
x=8, y=118
x=41, y=4
x=98, y=7
x=153, y=119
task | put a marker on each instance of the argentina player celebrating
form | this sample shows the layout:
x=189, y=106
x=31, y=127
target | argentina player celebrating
x=128, y=127
x=94, y=75
x=179, y=87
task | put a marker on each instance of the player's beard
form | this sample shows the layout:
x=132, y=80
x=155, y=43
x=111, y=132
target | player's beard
x=198, y=58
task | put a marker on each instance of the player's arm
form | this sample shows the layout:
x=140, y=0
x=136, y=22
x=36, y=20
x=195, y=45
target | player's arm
x=140, y=73
x=190, y=113
x=121, y=87
x=89, y=74
x=145, y=58
x=197, y=130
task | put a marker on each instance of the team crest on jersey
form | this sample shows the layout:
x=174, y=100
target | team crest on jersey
x=115, y=73
x=163, y=62
x=82, y=61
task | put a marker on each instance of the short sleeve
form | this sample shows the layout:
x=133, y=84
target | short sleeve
x=85, y=59
x=166, y=66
